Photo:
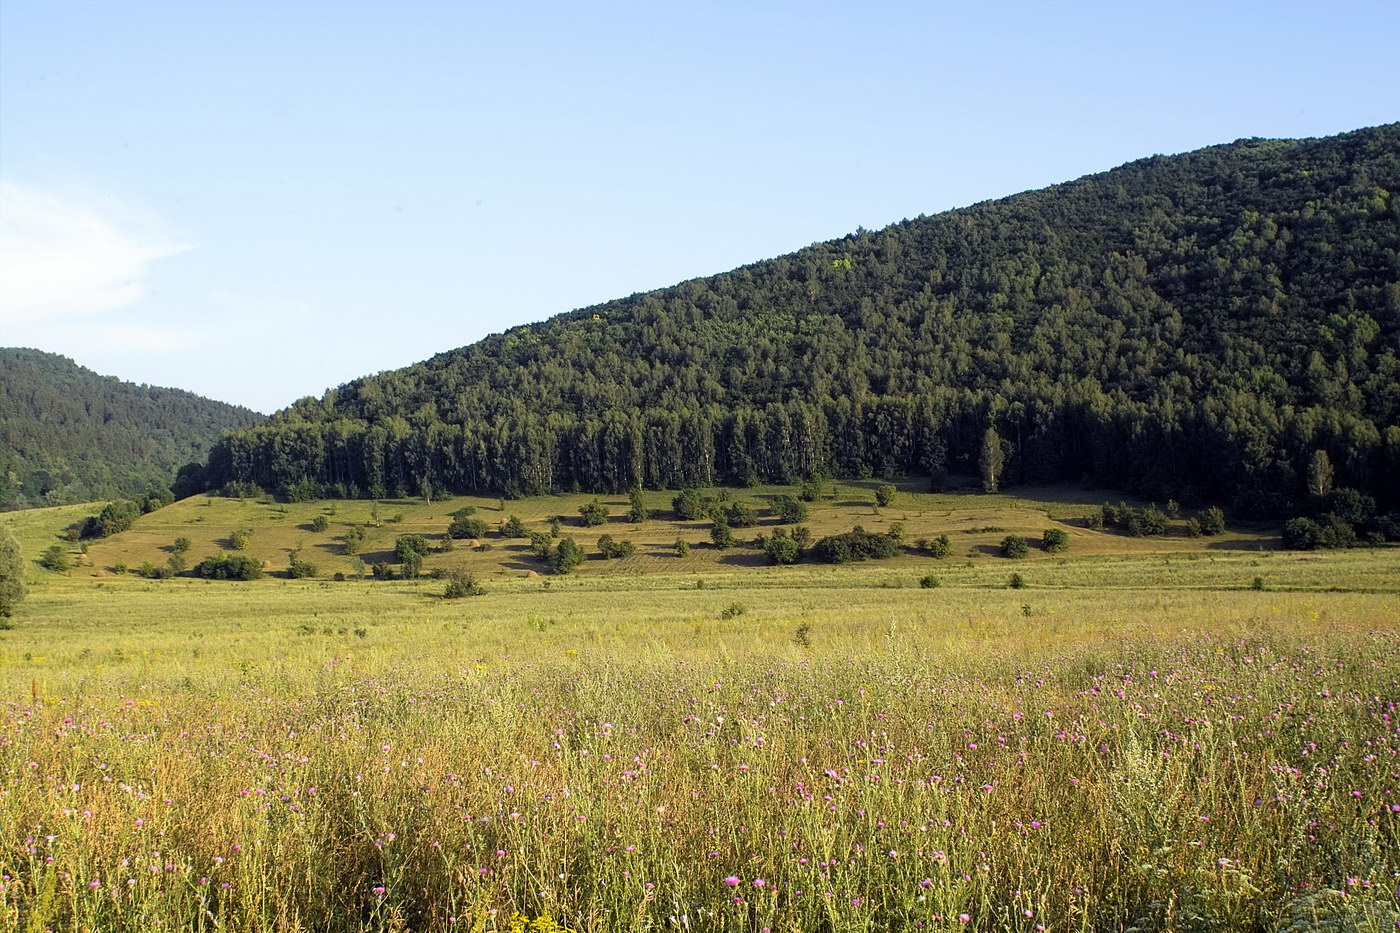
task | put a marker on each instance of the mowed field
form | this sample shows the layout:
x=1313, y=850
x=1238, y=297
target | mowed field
x=1160, y=734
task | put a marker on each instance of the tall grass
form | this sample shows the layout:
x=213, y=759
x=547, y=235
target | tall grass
x=354, y=758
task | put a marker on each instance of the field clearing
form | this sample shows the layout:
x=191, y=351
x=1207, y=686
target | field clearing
x=1136, y=739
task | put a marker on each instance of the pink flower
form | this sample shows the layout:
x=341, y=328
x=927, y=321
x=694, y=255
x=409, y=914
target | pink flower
x=732, y=881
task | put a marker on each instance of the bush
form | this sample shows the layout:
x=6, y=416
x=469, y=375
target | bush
x=300, y=569
x=114, y=518
x=1212, y=521
x=781, y=549
x=411, y=563
x=593, y=514
x=181, y=545
x=382, y=571
x=854, y=545
x=1014, y=546
x=461, y=584
x=566, y=556
x=682, y=548
x=742, y=515
x=939, y=547
x=513, y=528
x=929, y=582
x=1017, y=582
x=612, y=549
x=405, y=545
x=540, y=544
x=228, y=567
x=305, y=489
x=884, y=495
x=56, y=558
x=319, y=524
x=811, y=489
x=1301, y=534
x=722, y=535
x=465, y=526
x=733, y=611
x=689, y=505
x=354, y=538
x=790, y=511
x=1193, y=528
x=238, y=540
x=12, y=586
x=176, y=563
x=1054, y=540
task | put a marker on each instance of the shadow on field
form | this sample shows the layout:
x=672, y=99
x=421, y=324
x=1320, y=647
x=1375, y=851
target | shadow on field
x=1240, y=544
x=746, y=559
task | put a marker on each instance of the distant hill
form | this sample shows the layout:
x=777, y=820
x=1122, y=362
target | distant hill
x=70, y=435
x=1196, y=326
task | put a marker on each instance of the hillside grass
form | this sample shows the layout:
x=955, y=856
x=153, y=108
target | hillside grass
x=1137, y=738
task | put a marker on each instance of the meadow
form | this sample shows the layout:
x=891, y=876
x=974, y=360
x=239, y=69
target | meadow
x=1169, y=734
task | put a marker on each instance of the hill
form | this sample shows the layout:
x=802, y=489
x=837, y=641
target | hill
x=70, y=435
x=1195, y=326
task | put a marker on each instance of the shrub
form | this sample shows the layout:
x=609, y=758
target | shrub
x=238, y=540
x=1212, y=521
x=733, y=611
x=593, y=514
x=300, y=569
x=410, y=544
x=1017, y=582
x=722, y=535
x=115, y=517
x=56, y=558
x=1054, y=540
x=682, y=548
x=1094, y=522
x=176, y=563
x=790, y=511
x=929, y=582
x=1193, y=528
x=464, y=525
x=742, y=515
x=613, y=549
x=1301, y=534
x=781, y=549
x=854, y=545
x=319, y=524
x=228, y=567
x=939, y=547
x=181, y=545
x=461, y=584
x=689, y=505
x=382, y=571
x=412, y=564
x=811, y=489
x=637, y=510
x=1014, y=546
x=513, y=528
x=540, y=544
x=884, y=495
x=566, y=556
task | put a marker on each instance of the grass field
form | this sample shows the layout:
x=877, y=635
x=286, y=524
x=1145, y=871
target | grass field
x=1137, y=739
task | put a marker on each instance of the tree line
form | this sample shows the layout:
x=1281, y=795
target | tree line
x=1195, y=327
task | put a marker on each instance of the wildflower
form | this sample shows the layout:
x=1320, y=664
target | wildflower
x=732, y=881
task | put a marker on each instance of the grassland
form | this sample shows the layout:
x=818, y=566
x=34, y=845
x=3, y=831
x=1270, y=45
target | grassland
x=1138, y=738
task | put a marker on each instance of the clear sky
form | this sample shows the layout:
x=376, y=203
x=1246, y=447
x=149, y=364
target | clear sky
x=260, y=200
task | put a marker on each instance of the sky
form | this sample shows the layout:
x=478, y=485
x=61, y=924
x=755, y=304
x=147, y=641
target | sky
x=258, y=201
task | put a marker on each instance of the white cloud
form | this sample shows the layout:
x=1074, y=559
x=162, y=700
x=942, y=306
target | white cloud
x=62, y=258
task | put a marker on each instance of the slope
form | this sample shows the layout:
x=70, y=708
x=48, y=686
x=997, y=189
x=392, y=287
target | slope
x=1195, y=325
x=70, y=435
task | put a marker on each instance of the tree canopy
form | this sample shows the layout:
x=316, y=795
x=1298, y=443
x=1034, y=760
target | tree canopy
x=1193, y=327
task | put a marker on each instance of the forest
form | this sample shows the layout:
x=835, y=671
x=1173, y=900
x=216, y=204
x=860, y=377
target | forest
x=1198, y=327
x=69, y=435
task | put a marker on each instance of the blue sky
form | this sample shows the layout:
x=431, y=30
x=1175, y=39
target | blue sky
x=258, y=201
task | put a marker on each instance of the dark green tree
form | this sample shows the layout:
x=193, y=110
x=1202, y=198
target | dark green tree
x=12, y=585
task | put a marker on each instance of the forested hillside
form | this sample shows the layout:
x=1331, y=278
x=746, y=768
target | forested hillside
x=70, y=435
x=1190, y=326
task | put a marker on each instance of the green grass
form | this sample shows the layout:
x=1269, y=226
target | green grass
x=1137, y=737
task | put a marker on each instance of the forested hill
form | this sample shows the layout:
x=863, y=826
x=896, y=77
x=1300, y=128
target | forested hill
x=70, y=435
x=1193, y=325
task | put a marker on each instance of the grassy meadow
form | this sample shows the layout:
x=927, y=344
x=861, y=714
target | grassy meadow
x=1150, y=734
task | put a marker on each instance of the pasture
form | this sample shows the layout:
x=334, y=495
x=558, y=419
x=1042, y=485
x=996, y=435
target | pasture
x=1141, y=737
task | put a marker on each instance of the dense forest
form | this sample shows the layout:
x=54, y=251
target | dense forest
x=70, y=435
x=1195, y=326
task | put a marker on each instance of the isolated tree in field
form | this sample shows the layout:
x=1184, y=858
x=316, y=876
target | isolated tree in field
x=1014, y=546
x=593, y=513
x=884, y=494
x=566, y=556
x=56, y=558
x=12, y=588
x=1054, y=540
x=238, y=540
x=410, y=544
x=991, y=460
x=319, y=524
x=682, y=547
x=1320, y=475
x=637, y=511
x=181, y=545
